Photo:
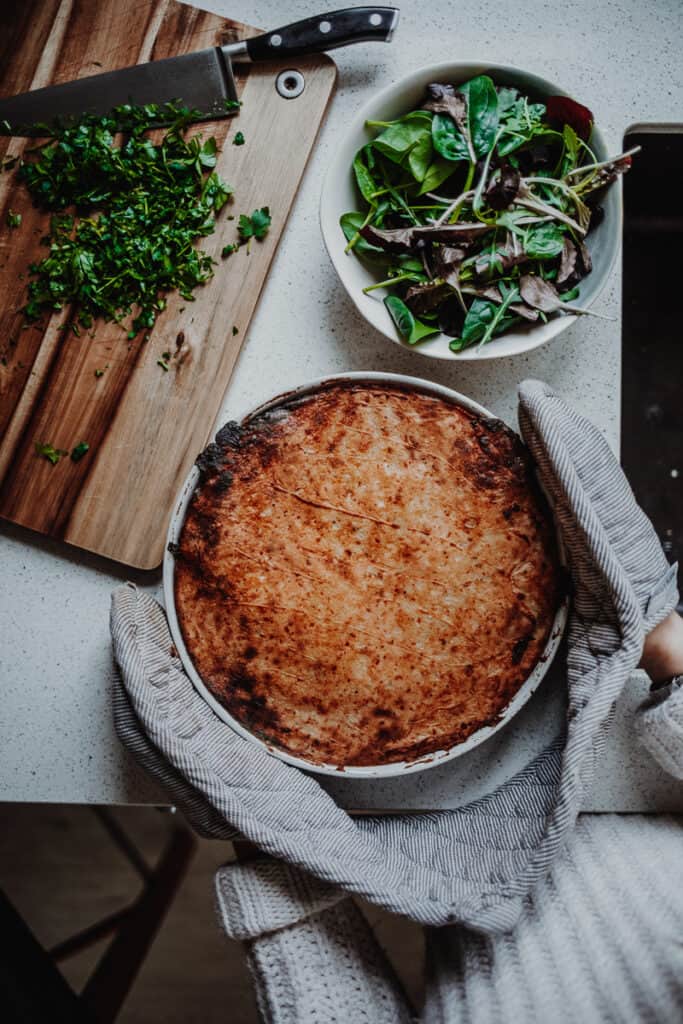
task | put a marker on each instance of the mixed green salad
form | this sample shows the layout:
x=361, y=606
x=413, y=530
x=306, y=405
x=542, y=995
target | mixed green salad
x=475, y=210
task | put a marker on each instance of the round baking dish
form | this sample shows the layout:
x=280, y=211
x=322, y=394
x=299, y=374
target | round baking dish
x=397, y=768
x=339, y=194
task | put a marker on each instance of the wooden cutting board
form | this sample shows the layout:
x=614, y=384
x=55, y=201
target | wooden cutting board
x=144, y=426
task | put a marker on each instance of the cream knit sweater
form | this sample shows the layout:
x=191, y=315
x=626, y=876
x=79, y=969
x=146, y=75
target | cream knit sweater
x=599, y=941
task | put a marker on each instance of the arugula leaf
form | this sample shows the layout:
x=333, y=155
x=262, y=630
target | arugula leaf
x=255, y=225
x=49, y=452
x=507, y=97
x=572, y=148
x=510, y=219
x=521, y=122
x=413, y=330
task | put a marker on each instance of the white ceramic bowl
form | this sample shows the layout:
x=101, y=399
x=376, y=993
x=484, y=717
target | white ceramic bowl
x=339, y=195
x=372, y=771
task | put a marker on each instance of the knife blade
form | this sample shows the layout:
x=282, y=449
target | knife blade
x=202, y=80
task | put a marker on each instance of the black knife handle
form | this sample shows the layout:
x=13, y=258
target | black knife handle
x=326, y=32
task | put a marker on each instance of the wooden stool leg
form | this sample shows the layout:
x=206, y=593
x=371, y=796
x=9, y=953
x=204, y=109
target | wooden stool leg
x=31, y=987
x=113, y=977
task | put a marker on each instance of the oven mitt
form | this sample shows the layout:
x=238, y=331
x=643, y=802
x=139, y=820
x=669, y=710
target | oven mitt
x=474, y=865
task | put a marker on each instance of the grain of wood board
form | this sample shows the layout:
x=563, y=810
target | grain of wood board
x=144, y=426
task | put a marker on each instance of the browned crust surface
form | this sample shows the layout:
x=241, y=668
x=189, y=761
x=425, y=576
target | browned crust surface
x=368, y=576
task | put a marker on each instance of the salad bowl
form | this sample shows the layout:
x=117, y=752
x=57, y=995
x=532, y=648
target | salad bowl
x=340, y=195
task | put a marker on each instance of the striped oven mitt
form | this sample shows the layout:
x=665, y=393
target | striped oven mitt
x=474, y=865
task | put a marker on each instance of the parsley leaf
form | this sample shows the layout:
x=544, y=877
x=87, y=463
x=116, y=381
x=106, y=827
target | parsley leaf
x=79, y=451
x=239, y=139
x=49, y=452
x=256, y=225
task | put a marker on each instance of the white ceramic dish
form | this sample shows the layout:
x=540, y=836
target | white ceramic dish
x=373, y=771
x=339, y=195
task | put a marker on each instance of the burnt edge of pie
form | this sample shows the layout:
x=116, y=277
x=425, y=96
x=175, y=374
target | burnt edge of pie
x=498, y=446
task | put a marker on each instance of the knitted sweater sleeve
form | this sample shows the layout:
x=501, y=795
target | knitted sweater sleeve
x=659, y=725
x=312, y=956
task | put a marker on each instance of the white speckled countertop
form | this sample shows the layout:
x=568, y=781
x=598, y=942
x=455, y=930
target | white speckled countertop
x=623, y=59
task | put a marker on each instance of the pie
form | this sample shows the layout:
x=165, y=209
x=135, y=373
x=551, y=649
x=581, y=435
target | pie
x=367, y=574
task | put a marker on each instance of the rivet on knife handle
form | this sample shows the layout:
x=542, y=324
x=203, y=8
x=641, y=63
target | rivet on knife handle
x=325, y=32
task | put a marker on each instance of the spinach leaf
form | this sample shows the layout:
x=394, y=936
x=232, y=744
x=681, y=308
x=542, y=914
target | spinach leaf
x=396, y=141
x=408, y=326
x=486, y=319
x=366, y=183
x=448, y=141
x=437, y=172
x=351, y=223
x=482, y=112
x=420, y=157
x=479, y=316
x=544, y=242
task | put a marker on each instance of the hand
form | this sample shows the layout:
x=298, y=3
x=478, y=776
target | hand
x=663, y=650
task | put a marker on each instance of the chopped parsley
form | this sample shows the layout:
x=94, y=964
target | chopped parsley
x=79, y=451
x=239, y=139
x=13, y=219
x=135, y=212
x=49, y=452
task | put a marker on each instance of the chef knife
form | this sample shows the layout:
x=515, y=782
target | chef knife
x=202, y=80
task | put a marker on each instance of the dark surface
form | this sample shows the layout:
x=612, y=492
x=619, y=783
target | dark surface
x=652, y=332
